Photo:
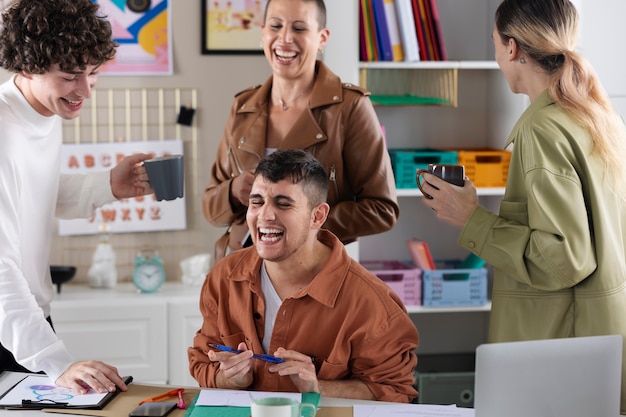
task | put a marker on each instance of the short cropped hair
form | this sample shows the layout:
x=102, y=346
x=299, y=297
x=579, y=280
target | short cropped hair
x=321, y=11
x=301, y=168
x=36, y=34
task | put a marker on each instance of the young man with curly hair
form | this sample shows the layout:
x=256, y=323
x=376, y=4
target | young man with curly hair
x=54, y=49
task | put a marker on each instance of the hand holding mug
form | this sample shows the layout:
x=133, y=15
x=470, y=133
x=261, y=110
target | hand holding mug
x=454, y=174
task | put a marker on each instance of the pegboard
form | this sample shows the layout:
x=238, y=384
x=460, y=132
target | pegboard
x=137, y=114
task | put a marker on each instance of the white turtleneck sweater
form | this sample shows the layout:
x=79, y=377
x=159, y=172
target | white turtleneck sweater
x=32, y=192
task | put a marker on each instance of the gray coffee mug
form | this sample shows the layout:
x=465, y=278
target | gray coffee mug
x=167, y=176
x=454, y=174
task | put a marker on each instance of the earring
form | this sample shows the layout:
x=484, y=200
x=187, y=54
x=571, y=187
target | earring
x=522, y=60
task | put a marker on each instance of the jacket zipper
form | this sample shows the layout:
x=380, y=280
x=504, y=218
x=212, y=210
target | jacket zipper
x=234, y=157
x=332, y=176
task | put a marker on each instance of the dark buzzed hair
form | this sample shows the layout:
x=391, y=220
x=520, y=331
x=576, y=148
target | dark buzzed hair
x=301, y=168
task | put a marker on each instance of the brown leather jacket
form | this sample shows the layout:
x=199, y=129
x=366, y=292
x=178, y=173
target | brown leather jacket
x=340, y=129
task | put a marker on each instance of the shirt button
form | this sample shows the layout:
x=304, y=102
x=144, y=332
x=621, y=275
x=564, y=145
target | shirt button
x=319, y=136
x=242, y=140
x=471, y=244
x=348, y=85
x=243, y=106
x=335, y=98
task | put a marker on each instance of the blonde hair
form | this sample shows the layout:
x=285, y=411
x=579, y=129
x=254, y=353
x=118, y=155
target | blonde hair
x=547, y=31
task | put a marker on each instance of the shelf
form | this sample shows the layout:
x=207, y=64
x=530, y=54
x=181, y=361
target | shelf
x=438, y=310
x=415, y=192
x=423, y=65
x=416, y=83
x=435, y=84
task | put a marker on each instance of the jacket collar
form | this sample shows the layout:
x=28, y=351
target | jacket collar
x=543, y=100
x=327, y=89
x=324, y=288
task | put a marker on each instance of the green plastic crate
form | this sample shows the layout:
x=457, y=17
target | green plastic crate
x=405, y=163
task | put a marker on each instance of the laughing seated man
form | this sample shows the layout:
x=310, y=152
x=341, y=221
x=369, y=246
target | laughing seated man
x=297, y=295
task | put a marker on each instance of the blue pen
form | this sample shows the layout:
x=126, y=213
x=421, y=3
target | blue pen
x=263, y=357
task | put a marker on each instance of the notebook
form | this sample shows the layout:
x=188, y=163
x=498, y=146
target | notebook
x=571, y=377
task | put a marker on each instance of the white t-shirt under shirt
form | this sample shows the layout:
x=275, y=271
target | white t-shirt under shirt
x=272, y=304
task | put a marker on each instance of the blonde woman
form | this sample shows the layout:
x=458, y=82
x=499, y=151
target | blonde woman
x=558, y=243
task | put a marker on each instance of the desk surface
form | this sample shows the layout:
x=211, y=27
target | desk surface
x=8, y=379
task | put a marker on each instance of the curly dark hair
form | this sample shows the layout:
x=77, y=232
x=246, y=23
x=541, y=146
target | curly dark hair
x=36, y=34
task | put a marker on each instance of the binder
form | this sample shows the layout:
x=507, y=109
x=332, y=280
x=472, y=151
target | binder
x=408, y=31
x=419, y=30
x=426, y=29
x=370, y=29
x=368, y=42
x=437, y=31
x=431, y=29
x=363, y=55
x=394, y=30
x=382, y=31
x=420, y=254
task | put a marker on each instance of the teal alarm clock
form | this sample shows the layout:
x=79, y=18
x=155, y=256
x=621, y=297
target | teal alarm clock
x=148, y=272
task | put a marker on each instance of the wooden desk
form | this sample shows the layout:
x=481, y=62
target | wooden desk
x=122, y=404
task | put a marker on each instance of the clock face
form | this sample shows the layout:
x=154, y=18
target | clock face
x=148, y=276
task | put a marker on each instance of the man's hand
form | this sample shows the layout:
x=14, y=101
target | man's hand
x=129, y=178
x=81, y=376
x=300, y=369
x=236, y=370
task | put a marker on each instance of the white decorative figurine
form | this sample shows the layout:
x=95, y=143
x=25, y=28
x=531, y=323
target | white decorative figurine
x=103, y=273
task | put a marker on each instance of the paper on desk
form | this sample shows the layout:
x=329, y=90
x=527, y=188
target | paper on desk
x=237, y=398
x=41, y=387
x=413, y=410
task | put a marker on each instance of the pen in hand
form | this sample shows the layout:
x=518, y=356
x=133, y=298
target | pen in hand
x=262, y=357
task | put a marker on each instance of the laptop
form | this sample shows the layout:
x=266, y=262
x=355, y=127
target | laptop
x=570, y=377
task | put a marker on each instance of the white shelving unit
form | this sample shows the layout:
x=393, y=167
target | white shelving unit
x=438, y=310
x=483, y=115
x=482, y=192
x=463, y=65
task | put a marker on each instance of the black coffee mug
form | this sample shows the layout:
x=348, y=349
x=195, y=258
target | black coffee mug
x=454, y=174
x=167, y=176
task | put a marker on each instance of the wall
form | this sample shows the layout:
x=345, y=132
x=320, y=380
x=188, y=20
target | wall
x=602, y=28
x=217, y=78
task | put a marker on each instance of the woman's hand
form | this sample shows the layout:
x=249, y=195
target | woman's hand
x=451, y=203
x=240, y=188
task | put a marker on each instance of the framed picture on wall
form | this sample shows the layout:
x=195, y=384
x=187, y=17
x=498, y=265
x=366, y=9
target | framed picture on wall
x=232, y=26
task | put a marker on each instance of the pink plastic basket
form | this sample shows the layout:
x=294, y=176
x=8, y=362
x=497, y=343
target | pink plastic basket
x=403, y=279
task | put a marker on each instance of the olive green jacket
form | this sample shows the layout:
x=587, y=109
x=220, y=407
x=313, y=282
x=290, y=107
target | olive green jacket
x=558, y=244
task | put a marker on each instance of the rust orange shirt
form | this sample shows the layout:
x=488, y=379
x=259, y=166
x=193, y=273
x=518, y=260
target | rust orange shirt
x=351, y=322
